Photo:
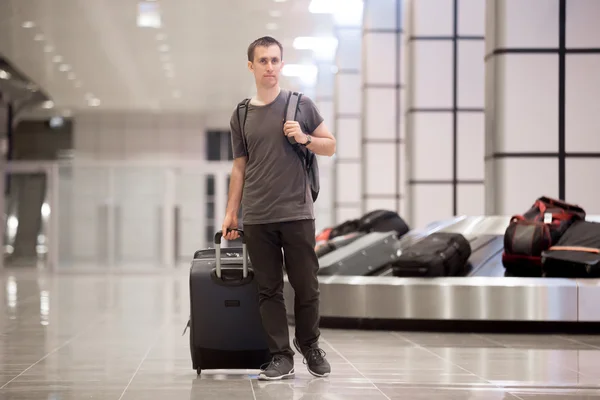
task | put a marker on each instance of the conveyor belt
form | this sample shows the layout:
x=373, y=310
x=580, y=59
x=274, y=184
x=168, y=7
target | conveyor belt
x=484, y=295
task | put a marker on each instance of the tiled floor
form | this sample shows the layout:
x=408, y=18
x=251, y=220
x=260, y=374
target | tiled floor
x=119, y=336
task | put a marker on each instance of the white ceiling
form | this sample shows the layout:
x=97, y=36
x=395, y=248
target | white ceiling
x=119, y=63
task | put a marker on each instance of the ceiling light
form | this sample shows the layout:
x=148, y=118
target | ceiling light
x=275, y=13
x=271, y=26
x=64, y=67
x=163, y=48
x=306, y=72
x=78, y=84
x=48, y=105
x=345, y=12
x=39, y=37
x=28, y=24
x=4, y=74
x=148, y=15
x=280, y=1
x=71, y=76
x=48, y=49
x=57, y=59
x=94, y=102
x=323, y=47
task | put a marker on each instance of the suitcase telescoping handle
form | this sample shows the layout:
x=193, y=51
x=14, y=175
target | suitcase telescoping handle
x=218, y=237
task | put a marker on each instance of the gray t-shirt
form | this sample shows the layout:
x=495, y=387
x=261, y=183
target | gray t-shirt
x=276, y=186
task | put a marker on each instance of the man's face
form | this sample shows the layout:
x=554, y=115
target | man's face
x=267, y=65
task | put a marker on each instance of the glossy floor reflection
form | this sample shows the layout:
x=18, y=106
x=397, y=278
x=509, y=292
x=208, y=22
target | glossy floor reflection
x=119, y=336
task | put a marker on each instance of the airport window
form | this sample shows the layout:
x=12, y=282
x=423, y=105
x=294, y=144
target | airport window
x=218, y=145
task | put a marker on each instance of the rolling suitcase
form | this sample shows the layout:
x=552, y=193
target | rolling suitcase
x=367, y=255
x=226, y=330
x=439, y=254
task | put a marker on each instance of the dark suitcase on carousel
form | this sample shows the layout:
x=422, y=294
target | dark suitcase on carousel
x=438, y=254
x=576, y=254
x=328, y=246
x=226, y=330
x=367, y=255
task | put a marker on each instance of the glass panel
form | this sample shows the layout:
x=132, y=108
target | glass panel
x=190, y=196
x=26, y=215
x=139, y=193
x=83, y=210
x=213, y=145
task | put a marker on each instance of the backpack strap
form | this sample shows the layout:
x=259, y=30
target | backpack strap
x=291, y=109
x=242, y=112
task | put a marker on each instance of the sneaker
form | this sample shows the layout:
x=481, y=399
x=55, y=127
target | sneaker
x=279, y=368
x=314, y=358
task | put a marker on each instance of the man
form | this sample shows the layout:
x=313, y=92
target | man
x=278, y=210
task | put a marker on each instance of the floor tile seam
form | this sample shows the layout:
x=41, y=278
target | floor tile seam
x=523, y=349
x=577, y=341
x=152, y=345
x=100, y=318
x=252, y=388
x=357, y=370
x=442, y=358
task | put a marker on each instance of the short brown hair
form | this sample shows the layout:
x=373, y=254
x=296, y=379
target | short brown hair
x=265, y=41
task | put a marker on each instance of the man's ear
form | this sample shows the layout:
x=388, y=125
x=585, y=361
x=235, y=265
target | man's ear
x=250, y=66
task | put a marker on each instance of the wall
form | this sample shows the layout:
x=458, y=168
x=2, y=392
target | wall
x=543, y=101
x=127, y=168
x=445, y=118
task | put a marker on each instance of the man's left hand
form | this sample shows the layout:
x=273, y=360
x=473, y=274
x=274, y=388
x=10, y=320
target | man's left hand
x=292, y=129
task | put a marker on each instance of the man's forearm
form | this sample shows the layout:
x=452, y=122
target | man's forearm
x=236, y=185
x=322, y=146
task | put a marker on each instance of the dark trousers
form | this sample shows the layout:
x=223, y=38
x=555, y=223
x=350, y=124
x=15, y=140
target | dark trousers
x=297, y=239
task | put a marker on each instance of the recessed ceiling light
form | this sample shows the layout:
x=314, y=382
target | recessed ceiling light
x=275, y=13
x=272, y=26
x=39, y=37
x=28, y=24
x=163, y=48
x=71, y=76
x=48, y=49
x=78, y=84
x=57, y=59
x=64, y=67
x=280, y=1
x=94, y=102
x=4, y=74
x=48, y=105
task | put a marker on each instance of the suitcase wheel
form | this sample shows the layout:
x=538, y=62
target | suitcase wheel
x=198, y=370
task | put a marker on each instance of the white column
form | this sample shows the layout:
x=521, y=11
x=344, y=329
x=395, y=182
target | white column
x=382, y=140
x=347, y=98
x=542, y=101
x=324, y=91
x=445, y=118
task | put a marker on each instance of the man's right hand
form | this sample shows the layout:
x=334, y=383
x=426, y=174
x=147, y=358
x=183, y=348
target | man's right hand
x=230, y=222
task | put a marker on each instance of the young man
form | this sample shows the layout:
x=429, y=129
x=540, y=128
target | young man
x=278, y=210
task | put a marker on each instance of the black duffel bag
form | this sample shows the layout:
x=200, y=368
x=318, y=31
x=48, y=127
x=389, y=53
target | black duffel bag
x=438, y=254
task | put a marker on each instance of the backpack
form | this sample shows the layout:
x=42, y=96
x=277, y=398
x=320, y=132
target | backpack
x=308, y=158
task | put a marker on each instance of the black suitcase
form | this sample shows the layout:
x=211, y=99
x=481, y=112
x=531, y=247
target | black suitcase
x=576, y=254
x=438, y=254
x=367, y=255
x=226, y=330
x=340, y=241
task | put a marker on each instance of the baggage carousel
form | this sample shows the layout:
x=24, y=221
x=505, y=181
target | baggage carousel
x=484, y=299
